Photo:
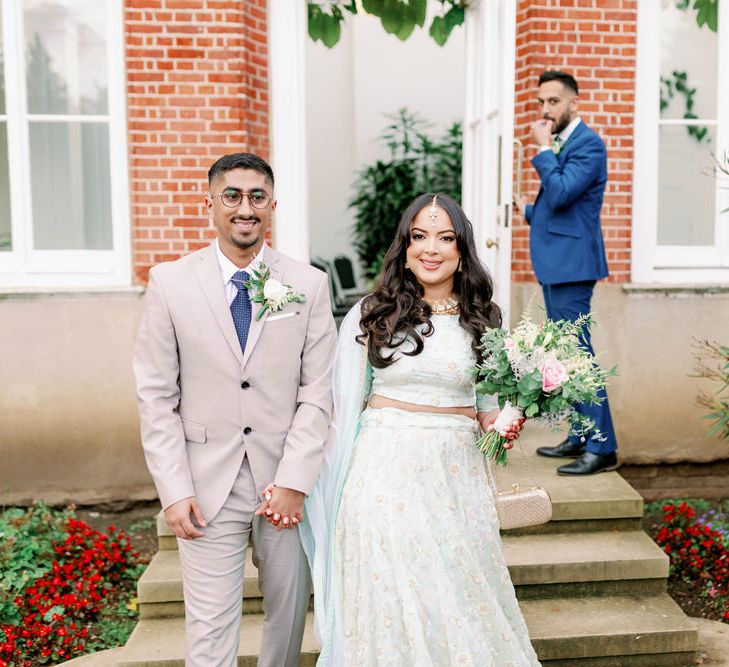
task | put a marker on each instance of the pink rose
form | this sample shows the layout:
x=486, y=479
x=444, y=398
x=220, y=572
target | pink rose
x=554, y=373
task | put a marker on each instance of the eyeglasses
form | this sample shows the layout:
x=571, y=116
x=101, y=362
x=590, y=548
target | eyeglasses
x=233, y=198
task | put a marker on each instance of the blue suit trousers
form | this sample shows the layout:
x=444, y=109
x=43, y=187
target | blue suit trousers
x=567, y=301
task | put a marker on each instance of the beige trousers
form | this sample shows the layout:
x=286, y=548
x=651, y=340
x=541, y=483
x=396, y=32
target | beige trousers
x=212, y=573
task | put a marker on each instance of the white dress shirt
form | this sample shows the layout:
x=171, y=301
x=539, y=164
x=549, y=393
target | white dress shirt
x=228, y=270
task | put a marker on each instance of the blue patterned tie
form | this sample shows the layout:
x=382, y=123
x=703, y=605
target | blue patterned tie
x=240, y=308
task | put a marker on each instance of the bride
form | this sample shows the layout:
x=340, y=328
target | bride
x=401, y=530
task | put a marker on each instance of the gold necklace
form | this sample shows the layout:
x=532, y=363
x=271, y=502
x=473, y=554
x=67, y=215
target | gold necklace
x=447, y=306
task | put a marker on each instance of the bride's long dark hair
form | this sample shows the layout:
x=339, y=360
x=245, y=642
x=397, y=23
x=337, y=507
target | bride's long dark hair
x=395, y=310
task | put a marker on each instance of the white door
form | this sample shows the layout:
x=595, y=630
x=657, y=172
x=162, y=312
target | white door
x=488, y=139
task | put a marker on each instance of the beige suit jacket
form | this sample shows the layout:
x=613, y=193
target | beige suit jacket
x=204, y=405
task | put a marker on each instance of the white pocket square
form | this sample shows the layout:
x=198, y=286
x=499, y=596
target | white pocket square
x=282, y=316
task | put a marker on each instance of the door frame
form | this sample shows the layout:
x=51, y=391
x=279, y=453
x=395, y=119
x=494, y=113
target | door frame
x=287, y=35
x=489, y=131
x=490, y=62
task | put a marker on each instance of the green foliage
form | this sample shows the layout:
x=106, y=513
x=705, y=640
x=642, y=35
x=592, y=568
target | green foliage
x=712, y=363
x=707, y=12
x=398, y=17
x=678, y=84
x=114, y=625
x=417, y=164
x=325, y=22
x=442, y=26
x=27, y=537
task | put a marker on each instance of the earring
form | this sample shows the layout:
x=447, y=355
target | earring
x=407, y=266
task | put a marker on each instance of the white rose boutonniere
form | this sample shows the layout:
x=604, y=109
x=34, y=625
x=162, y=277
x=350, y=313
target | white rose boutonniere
x=272, y=294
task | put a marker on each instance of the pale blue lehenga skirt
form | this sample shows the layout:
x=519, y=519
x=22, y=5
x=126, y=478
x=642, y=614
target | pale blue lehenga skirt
x=420, y=574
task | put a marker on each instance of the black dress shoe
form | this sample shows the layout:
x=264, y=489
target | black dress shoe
x=565, y=449
x=589, y=464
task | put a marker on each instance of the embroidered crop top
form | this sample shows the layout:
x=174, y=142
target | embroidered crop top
x=440, y=376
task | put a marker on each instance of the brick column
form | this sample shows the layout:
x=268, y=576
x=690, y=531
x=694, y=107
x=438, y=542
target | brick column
x=197, y=88
x=595, y=41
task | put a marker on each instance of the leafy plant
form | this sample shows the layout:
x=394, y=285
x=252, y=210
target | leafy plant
x=76, y=593
x=27, y=538
x=712, y=363
x=698, y=554
x=398, y=17
x=678, y=84
x=707, y=12
x=418, y=163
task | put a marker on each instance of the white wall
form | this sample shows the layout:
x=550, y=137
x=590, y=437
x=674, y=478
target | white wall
x=349, y=89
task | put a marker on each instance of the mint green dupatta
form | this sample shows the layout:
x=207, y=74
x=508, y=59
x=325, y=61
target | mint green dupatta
x=351, y=382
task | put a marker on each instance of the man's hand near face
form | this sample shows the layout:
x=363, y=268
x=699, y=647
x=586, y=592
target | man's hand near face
x=541, y=131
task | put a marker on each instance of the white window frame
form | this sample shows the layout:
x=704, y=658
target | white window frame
x=23, y=266
x=652, y=263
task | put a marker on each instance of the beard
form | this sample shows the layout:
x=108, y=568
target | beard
x=245, y=240
x=562, y=122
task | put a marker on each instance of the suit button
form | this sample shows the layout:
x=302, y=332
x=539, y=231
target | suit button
x=247, y=430
x=245, y=385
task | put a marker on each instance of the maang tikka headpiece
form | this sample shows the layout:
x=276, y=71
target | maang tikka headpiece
x=434, y=211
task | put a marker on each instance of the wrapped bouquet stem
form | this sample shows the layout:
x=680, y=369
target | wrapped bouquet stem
x=538, y=371
x=492, y=443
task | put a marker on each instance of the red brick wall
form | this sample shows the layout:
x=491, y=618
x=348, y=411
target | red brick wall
x=595, y=41
x=197, y=88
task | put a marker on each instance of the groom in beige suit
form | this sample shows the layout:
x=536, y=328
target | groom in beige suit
x=229, y=404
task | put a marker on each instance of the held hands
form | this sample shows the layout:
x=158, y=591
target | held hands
x=178, y=519
x=541, y=131
x=281, y=507
x=487, y=419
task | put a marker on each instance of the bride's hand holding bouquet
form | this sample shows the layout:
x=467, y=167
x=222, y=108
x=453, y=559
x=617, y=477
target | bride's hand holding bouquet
x=537, y=372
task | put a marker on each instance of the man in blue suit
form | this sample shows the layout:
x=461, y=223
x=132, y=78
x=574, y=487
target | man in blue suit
x=565, y=240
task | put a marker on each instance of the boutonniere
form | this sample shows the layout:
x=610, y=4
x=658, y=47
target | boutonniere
x=272, y=294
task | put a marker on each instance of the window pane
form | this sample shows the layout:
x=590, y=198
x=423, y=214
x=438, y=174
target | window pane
x=65, y=52
x=689, y=62
x=5, y=235
x=686, y=187
x=69, y=166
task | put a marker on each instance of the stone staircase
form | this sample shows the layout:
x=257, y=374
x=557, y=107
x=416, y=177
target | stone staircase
x=591, y=584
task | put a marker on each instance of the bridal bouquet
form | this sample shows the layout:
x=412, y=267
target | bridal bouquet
x=538, y=371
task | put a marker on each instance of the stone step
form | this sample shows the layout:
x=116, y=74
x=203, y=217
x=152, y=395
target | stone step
x=591, y=503
x=545, y=565
x=161, y=643
x=599, y=632
x=585, y=564
x=620, y=631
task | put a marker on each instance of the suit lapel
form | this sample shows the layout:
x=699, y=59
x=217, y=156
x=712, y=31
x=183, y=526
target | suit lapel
x=270, y=259
x=211, y=282
x=576, y=133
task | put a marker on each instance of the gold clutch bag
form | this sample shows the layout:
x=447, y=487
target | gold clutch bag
x=520, y=508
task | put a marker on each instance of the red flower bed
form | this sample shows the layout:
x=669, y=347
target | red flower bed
x=697, y=552
x=58, y=608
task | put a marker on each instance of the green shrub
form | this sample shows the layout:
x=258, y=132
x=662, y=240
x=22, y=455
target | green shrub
x=27, y=537
x=383, y=190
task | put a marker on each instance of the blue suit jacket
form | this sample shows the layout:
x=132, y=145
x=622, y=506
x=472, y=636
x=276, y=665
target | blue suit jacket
x=565, y=239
